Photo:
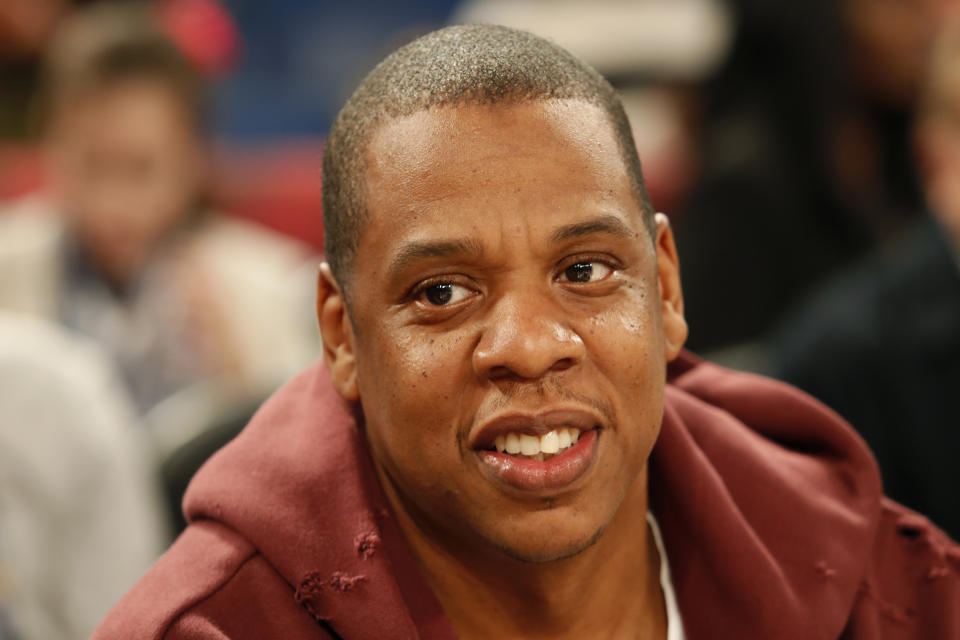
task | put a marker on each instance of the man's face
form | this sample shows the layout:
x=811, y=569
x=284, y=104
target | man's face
x=126, y=165
x=506, y=289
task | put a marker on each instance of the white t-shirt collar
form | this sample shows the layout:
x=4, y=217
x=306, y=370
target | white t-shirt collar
x=674, y=623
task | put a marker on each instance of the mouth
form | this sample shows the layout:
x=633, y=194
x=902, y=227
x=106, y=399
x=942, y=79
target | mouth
x=540, y=454
x=539, y=448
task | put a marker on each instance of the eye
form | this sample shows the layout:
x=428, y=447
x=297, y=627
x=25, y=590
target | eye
x=586, y=271
x=440, y=294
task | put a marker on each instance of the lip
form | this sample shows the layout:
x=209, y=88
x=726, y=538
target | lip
x=560, y=472
x=534, y=424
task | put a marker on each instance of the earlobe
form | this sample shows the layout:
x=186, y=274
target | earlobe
x=671, y=293
x=337, y=335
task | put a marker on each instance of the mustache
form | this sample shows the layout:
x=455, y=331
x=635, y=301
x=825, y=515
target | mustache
x=544, y=391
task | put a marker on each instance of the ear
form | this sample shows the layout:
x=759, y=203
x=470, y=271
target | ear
x=337, y=335
x=671, y=295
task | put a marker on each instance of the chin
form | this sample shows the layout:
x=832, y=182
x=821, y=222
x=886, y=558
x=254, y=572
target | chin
x=535, y=550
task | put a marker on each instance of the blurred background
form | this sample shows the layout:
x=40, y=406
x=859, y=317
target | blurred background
x=160, y=229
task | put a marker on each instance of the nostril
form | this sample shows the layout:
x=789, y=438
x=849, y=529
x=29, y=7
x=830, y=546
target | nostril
x=501, y=372
x=506, y=372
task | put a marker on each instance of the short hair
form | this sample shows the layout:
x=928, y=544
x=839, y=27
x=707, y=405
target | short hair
x=108, y=44
x=454, y=66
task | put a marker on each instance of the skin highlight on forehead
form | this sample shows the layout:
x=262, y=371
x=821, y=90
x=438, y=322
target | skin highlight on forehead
x=418, y=150
x=457, y=67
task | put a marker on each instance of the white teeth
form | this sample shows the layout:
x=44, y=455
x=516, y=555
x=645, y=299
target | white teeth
x=529, y=445
x=549, y=443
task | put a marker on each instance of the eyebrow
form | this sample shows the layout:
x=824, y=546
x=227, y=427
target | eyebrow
x=609, y=224
x=415, y=251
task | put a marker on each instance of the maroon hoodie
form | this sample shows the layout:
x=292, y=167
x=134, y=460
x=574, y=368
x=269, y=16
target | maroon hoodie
x=770, y=508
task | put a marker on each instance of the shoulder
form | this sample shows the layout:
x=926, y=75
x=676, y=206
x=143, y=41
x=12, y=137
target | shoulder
x=65, y=387
x=244, y=260
x=30, y=240
x=263, y=285
x=28, y=227
x=911, y=586
x=212, y=583
x=255, y=602
x=228, y=243
x=854, y=314
x=202, y=561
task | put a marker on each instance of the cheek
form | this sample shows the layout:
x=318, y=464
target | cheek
x=626, y=346
x=419, y=363
x=413, y=397
x=627, y=338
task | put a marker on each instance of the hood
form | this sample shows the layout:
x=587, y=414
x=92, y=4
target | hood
x=297, y=483
x=767, y=503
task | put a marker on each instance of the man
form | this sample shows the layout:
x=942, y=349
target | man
x=492, y=443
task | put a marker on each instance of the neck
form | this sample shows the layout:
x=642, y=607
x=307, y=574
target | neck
x=611, y=589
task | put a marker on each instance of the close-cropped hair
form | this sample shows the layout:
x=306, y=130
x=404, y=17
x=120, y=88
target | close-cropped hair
x=455, y=66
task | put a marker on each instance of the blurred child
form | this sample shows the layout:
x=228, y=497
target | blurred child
x=121, y=247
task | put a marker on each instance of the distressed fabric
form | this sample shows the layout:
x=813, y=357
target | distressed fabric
x=770, y=507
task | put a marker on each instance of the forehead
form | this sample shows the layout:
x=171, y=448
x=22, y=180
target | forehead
x=138, y=107
x=435, y=143
x=466, y=164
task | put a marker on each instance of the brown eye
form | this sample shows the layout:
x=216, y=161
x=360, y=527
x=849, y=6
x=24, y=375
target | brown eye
x=586, y=271
x=580, y=272
x=439, y=294
x=443, y=293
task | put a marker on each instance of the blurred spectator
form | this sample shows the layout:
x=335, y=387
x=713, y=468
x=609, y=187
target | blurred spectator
x=79, y=515
x=122, y=248
x=881, y=343
x=807, y=156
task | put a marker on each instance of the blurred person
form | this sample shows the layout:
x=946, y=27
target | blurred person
x=506, y=438
x=80, y=518
x=122, y=248
x=880, y=342
x=807, y=160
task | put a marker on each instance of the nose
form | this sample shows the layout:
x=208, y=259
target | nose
x=526, y=337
